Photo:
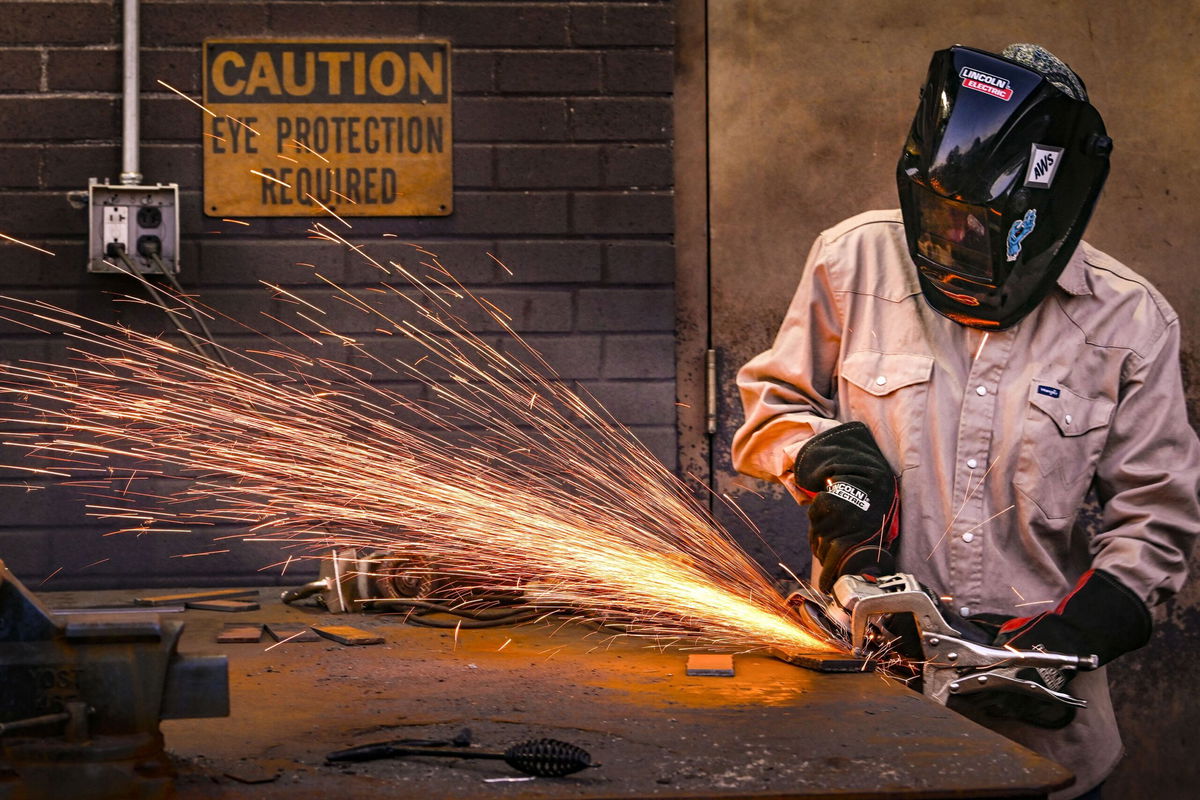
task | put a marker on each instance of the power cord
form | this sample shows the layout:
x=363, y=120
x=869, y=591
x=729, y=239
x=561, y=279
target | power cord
x=149, y=246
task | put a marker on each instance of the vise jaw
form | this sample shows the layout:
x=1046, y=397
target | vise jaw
x=81, y=699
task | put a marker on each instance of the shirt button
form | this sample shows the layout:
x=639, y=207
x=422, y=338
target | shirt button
x=965, y=611
x=981, y=390
x=1068, y=419
x=972, y=463
x=880, y=381
x=968, y=537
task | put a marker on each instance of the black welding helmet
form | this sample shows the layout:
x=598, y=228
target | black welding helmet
x=997, y=180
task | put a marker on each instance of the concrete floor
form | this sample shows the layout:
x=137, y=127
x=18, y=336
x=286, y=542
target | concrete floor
x=773, y=730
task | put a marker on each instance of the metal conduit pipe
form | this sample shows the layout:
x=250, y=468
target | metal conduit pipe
x=131, y=174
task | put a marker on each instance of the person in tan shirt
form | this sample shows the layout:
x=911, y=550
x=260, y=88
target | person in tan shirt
x=954, y=380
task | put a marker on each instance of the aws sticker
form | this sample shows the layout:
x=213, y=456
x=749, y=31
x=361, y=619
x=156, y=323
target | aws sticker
x=851, y=494
x=987, y=83
x=1043, y=164
x=1019, y=230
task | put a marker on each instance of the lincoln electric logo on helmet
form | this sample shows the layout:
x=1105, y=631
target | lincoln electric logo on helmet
x=984, y=82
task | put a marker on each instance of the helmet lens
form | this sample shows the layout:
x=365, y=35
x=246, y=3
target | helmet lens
x=954, y=235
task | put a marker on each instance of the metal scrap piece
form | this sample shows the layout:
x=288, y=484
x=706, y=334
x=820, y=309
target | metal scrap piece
x=345, y=634
x=240, y=633
x=212, y=594
x=718, y=665
x=224, y=605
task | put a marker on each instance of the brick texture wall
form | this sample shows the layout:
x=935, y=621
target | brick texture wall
x=562, y=169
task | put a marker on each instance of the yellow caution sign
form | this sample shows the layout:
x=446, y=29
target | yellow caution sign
x=359, y=128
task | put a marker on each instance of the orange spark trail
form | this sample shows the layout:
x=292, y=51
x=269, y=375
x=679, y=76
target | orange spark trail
x=494, y=471
x=8, y=238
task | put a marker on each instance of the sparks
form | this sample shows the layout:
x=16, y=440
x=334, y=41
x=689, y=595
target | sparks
x=328, y=210
x=185, y=97
x=982, y=342
x=243, y=124
x=554, y=500
x=6, y=237
x=301, y=146
x=268, y=177
x=285, y=641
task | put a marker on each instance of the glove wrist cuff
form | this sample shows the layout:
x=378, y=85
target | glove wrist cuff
x=1111, y=606
x=1101, y=616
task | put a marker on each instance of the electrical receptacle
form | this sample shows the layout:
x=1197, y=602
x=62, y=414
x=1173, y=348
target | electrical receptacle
x=140, y=223
x=116, y=229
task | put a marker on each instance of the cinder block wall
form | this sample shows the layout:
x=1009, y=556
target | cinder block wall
x=562, y=169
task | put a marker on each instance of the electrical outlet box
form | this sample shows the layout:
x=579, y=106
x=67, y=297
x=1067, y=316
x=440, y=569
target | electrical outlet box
x=140, y=221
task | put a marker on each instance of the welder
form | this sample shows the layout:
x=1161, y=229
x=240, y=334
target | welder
x=967, y=391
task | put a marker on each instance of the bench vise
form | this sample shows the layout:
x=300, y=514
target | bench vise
x=81, y=698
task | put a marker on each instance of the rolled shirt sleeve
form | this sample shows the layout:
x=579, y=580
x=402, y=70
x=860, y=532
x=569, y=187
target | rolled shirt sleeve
x=788, y=392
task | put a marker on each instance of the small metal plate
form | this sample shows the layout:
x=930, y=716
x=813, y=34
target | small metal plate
x=240, y=633
x=826, y=662
x=224, y=605
x=718, y=665
x=344, y=634
x=186, y=597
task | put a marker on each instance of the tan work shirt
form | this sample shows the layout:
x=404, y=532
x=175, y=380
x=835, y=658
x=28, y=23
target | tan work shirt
x=997, y=437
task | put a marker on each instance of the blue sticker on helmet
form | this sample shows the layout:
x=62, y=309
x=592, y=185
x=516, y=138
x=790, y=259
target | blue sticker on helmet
x=1017, y=233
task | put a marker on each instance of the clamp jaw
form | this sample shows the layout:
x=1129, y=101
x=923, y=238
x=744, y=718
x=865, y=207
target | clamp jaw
x=952, y=664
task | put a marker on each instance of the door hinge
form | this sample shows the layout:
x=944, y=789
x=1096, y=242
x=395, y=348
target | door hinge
x=710, y=391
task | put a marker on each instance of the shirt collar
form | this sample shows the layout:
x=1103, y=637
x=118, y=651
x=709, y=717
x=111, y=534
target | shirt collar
x=1073, y=279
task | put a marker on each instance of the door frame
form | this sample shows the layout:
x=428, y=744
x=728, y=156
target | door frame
x=694, y=375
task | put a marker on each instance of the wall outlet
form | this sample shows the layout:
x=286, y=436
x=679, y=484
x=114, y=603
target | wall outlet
x=140, y=221
x=116, y=229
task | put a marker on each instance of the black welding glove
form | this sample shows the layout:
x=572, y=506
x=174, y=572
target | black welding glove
x=855, y=511
x=1101, y=616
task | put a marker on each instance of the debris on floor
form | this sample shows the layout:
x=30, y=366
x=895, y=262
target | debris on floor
x=240, y=633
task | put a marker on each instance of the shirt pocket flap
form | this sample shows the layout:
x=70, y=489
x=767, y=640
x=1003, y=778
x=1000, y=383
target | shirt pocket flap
x=1073, y=414
x=883, y=373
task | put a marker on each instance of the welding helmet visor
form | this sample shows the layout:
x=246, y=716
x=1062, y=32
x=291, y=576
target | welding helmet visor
x=998, y=177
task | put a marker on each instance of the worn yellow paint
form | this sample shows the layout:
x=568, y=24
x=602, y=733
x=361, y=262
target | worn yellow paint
x=309, y=127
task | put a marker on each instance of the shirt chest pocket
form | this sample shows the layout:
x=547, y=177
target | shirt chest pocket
x=889, y=392
x=1063, y=436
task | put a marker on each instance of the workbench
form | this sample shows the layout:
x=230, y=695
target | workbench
x=771, y=731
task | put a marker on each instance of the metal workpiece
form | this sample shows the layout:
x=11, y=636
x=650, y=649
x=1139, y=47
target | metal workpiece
x=81, y=698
